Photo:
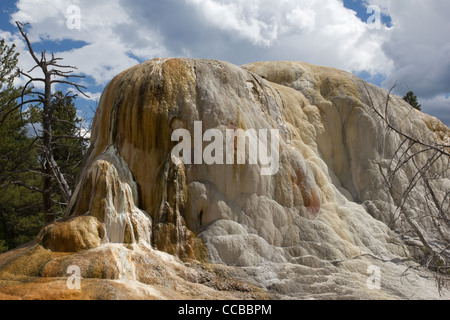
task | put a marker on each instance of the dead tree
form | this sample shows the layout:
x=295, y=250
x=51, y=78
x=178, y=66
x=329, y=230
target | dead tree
x=52, y=73
x=435, y=205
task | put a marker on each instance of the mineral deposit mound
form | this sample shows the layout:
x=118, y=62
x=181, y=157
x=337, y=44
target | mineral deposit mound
x=142, y=224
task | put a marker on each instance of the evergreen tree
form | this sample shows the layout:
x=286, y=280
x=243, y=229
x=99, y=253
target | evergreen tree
x=69, y=146
x=15, y=146
x=20, y=205
x=411, y=98
x=41, y=147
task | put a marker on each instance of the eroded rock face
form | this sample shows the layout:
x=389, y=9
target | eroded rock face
x=311, y=230
x=116, y=272
x=108, y=192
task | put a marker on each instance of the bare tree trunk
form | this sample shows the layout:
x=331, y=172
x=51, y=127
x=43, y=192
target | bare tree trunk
x=52, y=74
x=47, y=150
x=47, y=194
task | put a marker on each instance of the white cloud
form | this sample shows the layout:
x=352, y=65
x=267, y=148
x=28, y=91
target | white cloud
x=322, y=32
x=318, y=31
x=118, y=33
x=232, y=17
x=104, y=54
x=419, y=46
x=304, y=19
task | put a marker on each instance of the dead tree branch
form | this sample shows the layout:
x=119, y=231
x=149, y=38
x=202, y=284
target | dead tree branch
x=420, y=159
x=53, y=72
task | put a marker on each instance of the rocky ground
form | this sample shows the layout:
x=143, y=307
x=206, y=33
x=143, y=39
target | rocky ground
x=143, y=224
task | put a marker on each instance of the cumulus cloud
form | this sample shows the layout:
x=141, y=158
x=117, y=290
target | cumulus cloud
x=419, y=45
x=103, y=56
x=117, y=34
x=317, y=31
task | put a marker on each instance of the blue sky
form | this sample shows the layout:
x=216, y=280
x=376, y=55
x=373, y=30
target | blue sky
x=411, y=47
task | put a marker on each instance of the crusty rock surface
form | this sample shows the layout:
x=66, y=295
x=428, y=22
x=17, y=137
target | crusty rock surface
x=310, y=231
x=74, y=235
x=116, y=272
